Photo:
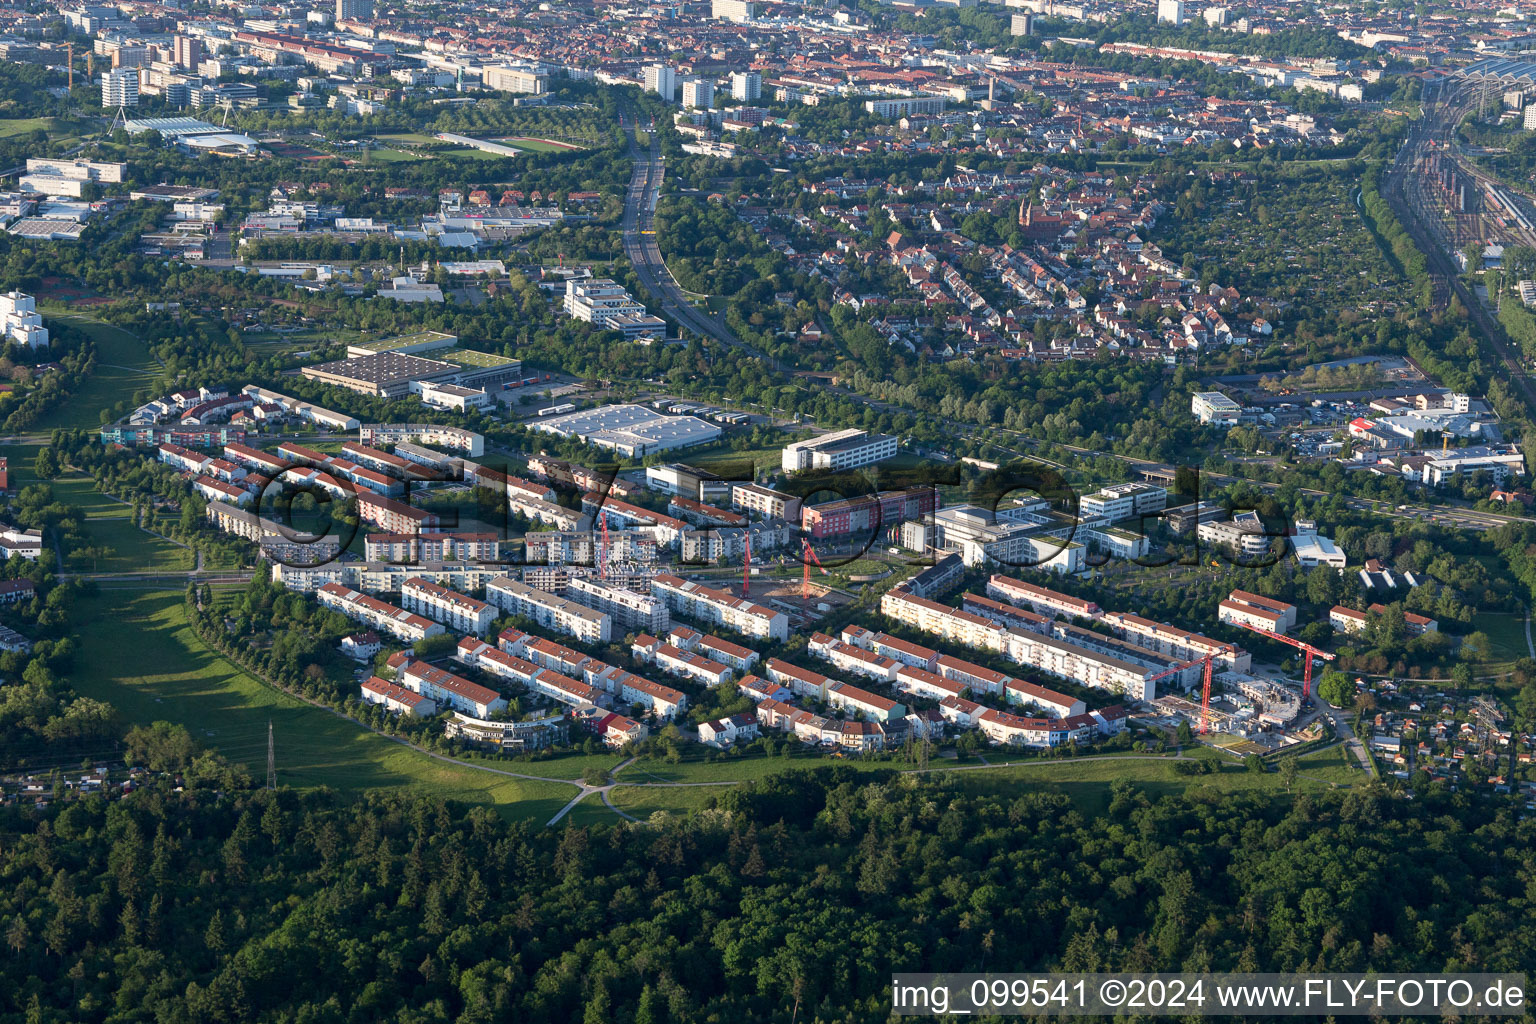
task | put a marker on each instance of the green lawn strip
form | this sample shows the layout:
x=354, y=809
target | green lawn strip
x=716, y=457
x=570, y=766
x=1331, y=764
x=13, y=126
x=123, y=365
x=591, y=811
x=643, y=801
x=110, y=523
x=729, y=769
x=140, y=654
x=1507, y=635
x=539, y=146
x=1087, y=780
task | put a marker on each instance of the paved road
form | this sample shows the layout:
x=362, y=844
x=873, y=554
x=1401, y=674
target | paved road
x=1351, y=741
x=639, y=227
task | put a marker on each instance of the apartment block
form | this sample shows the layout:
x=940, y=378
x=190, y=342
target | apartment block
x=802, y=681
x=392, y=516
x=549, y=610
x=871, y=705
x=765, y=502
x=459, y=612
x=382, y=616
x=976, y=678
x=409, y=548
x=396, y=698
x=1242, y=608
x=1083, y=665
x=451, y=691
x=854, y=660
x=628, y=609
x=1179, y=643
x=867, y=513
x=1041, y=599
x=726, y=653
x=678, y=662
x=942, y=620
x=718, y=607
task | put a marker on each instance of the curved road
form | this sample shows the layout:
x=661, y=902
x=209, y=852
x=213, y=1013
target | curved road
x=640, y=246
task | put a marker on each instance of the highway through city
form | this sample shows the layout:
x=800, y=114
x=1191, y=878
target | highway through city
x=640, y=246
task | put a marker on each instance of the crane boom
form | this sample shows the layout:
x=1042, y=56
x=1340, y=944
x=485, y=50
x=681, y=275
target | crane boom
x=1312, y=652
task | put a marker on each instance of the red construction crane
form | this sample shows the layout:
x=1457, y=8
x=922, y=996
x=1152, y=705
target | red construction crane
x=805, y=583
x=1205, y=688
x=1312, y=652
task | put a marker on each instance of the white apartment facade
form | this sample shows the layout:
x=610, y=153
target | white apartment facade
x=382, y=616
x=718, y=607
x=21, y=322
x=549, y=610
x=942, y=620
x=457, y=611
x=1242, y=608
x=629, y=609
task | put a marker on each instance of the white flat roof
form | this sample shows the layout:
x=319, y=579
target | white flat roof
x=629, y=425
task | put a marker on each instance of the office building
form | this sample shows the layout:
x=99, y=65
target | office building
x=746, y=86
x=67, y=177
x=385, y=375
x=631, y=430
x=844, y=449
x=981, y=537
x=1215, y=408
x=1243, y=539
x=120, y=88
x=686, y=482
x=1123, y=501
x=608, y=305
x=520, y=80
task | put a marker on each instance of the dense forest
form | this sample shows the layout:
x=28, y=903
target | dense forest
x=793, y=897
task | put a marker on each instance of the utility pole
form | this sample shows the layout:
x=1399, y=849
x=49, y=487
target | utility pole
x=271, y=758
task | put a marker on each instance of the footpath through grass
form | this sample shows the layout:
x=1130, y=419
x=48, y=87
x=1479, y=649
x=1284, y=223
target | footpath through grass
x=140, y=654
